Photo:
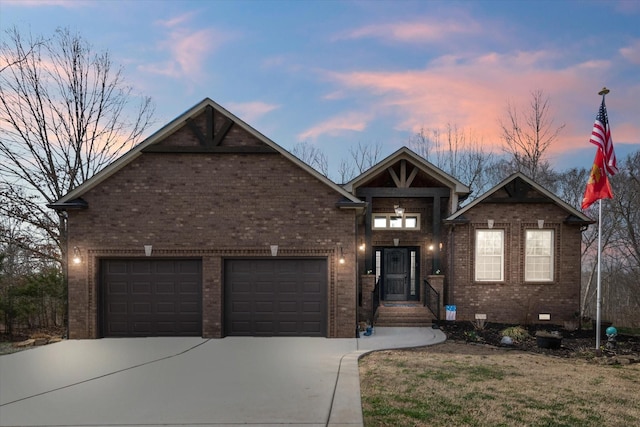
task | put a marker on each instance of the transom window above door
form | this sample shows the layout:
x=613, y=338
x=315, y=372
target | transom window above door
x=390, y=221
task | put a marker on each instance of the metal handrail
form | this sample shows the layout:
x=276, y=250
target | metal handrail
x=375, y=299
x=431, y=299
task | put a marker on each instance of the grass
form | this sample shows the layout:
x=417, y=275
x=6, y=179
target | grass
x=454, y=384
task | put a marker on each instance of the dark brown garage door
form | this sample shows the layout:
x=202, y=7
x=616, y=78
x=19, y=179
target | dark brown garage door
x=266, y=297
x=151, y=297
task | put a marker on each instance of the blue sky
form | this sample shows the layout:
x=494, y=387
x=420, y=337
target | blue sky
x=338, y=73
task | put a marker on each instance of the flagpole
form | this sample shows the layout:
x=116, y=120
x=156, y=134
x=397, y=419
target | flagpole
x=598, y=292
x=603, y=92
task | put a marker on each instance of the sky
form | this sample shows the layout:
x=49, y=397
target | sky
x=336, y=74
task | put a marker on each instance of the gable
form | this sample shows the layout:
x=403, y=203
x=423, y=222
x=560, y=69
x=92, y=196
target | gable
x=210, y=131
x=519, y=189
x=205, y=128
x=402, y=174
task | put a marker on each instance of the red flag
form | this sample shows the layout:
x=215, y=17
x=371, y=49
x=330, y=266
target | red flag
x=598, y=185
x=601, y=136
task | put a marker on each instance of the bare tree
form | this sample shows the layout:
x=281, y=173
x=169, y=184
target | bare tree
x=65, y=113
x=459, y=154
x=365, y=156
x=527, y=136
x=346, y=171
x=313, y=156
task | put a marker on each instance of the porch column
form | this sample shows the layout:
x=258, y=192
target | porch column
x=437, y=235
x=368, y=283
x=368, y=251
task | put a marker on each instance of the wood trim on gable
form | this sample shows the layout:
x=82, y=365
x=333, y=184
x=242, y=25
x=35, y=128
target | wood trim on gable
x=209, y=140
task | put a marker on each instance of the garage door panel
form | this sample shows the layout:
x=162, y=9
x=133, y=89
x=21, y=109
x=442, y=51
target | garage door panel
x=141, y=288
x=276, y=297
x=165, y=288
x=140, y=267
x=151, y=297
x=288, y=307
x=263, y=307
x=118, y=288
x=192, y=288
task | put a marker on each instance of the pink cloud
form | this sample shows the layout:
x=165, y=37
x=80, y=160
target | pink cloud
x=473, y=92
x=251, y=111
x=632, y=52
x=353, y=121
x=417, y=31
x=187, y=48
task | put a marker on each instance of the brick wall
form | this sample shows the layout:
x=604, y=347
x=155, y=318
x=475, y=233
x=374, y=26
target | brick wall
x=212, y=206
x=514, y=300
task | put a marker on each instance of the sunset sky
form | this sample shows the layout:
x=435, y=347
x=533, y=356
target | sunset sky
x=338, y=73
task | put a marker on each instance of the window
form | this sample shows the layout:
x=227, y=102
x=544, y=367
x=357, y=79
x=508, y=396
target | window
x=538, y=264
x=392, y=221
x=489, y=255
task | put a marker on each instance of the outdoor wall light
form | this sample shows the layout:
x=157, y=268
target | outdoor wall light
x=396, y=242
x=147, y=250
x=341, y=260
x=430, y=247
x=540, y=223
x=362, y=247
x=490, y=223
x=77, y=259
x=274, y=250
x=399, y=210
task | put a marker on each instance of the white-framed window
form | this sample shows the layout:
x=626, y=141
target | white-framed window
x=390, y=221
x=489, y=256
x=538, y=261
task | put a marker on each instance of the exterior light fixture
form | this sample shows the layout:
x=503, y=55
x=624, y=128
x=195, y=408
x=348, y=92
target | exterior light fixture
x=77, y=259
x=341, y=260
x=362, y=246
x=274, y=250
x=147, y=250
x=396, y=242
x=490, y=223
x=541, y=223
x=399, y=210
x=430, y=247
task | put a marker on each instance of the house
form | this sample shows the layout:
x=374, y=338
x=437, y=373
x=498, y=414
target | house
x=208, y=228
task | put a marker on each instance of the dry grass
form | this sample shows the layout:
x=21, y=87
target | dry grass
x=454, y=384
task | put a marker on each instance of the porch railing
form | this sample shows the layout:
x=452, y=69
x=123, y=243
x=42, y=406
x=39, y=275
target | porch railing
x=431, y=299
x=375, y=299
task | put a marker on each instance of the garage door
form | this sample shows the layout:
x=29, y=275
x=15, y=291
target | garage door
x=266, y=297
x=151, y=297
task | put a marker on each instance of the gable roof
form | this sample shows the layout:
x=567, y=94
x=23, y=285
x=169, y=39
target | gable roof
x=575, y=215
x=425, y=166
x=70, y=200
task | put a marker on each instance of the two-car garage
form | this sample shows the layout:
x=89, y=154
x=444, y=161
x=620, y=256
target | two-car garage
x=262, y=297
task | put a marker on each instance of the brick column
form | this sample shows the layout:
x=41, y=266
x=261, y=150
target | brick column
x=367, y=283
x=437, y=282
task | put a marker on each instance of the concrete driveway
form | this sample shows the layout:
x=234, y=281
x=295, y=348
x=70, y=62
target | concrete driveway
x=193, y=381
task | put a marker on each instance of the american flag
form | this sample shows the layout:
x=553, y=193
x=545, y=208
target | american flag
x=601, y=136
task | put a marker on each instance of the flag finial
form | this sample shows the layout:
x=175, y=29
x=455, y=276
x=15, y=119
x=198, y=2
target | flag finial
x=604, y=91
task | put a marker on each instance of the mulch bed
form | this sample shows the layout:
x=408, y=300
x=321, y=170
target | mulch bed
x=579, y=343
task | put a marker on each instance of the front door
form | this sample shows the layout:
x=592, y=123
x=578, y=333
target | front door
x=396, y=274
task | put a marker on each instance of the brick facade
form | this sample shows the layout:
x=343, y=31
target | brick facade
x=209, y=187
x=211, y=206
x=514, y=300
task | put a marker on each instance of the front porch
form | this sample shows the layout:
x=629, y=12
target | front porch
x=377, y=310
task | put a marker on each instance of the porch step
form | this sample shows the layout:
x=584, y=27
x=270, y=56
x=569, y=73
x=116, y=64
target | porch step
x=403, y=315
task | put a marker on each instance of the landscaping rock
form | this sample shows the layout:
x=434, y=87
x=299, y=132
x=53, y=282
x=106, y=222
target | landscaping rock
x=25, y=343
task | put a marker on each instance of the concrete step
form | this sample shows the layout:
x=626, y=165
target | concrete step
x=406, y=315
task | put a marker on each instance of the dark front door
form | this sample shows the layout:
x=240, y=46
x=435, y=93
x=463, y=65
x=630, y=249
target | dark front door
x=396, y=274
